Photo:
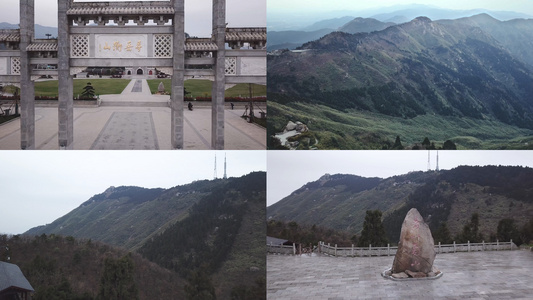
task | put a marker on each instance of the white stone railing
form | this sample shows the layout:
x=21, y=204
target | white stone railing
x=282, y=249
x=391, y=251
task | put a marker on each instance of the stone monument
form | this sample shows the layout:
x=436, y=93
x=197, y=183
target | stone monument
x=416, y=249
x=161, y=88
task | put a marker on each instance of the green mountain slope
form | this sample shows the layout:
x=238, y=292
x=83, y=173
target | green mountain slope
x=444, y=70
x=515, y=35
x=209, y=232
x=126, y=216
x=448, y=196
x=223, y=234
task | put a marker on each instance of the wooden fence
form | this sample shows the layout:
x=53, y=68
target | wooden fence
x=389, y=251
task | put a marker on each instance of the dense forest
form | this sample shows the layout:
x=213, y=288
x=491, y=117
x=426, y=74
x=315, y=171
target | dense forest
x=208, y=235
x=65, y=268
x=197, y=246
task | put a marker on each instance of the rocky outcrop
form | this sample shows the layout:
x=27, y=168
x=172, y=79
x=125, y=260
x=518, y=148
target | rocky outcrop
x=416, y=251
x=298, y=127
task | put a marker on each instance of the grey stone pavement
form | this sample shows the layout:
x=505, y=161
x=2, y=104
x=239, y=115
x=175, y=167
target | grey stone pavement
x=136, y=120
x=474, y=275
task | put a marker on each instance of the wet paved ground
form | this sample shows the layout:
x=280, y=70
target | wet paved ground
x=138, y=86
x=136, y=120
x=128, y=130
x=479, y=275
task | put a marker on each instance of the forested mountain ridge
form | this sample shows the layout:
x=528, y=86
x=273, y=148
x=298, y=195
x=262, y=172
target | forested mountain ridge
x=447, y=196
x=410, y=69
x=210, y=232
x=126, y=216
x=225, y=228
x=360, y=91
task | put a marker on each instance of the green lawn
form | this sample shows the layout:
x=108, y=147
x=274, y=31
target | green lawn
x=101, y=86
x=196, y=87
x=202, y=88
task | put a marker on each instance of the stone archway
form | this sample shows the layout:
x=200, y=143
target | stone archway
x=78, y=45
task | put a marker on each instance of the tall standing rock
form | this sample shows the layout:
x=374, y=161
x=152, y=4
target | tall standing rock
x=161, y=88
x=416, y=249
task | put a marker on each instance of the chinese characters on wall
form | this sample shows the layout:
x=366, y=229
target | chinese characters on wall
x=121, y=46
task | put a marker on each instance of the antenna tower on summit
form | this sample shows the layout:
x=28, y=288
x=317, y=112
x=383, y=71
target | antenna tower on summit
x=215, y=174
x=429, y=162
x=225, y=175
x=437, y=168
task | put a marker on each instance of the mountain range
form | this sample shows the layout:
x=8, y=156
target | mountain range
x=40, y=31
x=475, y=68
x=339, y=201
x=211, y=227
x=283, y=19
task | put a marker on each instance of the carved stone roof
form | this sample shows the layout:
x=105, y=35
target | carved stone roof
x=200, y=45
x=121, y=10
x=9, y=37
x=42, y=47
x=192, y=44
x=246, y=34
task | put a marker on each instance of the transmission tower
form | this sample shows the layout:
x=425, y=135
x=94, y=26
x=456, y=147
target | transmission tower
x=437, y=168
x=225, y=175
x=429, y=163
x=215, y=173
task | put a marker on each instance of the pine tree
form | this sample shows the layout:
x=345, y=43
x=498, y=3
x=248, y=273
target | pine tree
x=397, y=144
x=117, y=281
x=471, y=231
x=88, y=91
x=507, y=230
x=442, y=234
x=373, y=231
x=199, y=286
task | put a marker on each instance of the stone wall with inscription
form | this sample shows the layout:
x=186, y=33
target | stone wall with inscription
x=121, y=46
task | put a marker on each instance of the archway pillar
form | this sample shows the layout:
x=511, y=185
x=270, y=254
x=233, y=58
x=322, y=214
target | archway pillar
x=217, y=93
x=178, y=61
x=66, y=93
x=27, y=92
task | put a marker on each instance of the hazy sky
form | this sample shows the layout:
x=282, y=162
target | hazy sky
x=239, y=13
x=37, y=187
x=525, y=6
x=290, y=170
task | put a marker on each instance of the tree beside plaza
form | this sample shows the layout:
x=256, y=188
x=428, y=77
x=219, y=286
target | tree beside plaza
x=88, y=91
x=373, y=231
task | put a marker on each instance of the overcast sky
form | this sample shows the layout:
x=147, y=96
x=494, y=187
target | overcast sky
x=290, y=170
x=37, y=187
x=524, y=6
x=239, y=13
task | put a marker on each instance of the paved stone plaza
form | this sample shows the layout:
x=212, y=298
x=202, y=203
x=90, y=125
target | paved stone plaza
x=136, y=120
x=474, y=275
